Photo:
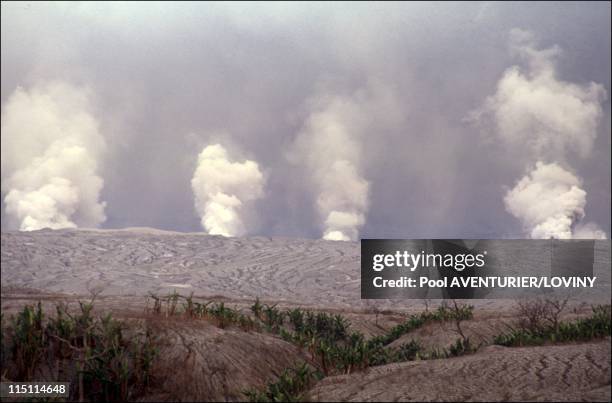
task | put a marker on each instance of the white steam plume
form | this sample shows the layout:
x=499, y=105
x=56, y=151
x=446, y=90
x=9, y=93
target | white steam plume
x=536, y=114
x=222, y=189
x=50, y=150
x=329, y=147
x=549, y=201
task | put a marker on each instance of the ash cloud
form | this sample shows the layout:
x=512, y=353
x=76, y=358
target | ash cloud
x=50, y=149
x=223, y=190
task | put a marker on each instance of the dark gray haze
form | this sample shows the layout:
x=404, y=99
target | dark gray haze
x=167, y=80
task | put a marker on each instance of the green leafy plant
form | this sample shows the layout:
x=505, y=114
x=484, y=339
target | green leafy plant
x=222, y=314
x=443, y=313
x=273, y=317
x=290, y=386
x=28, y=340
x=257, y=308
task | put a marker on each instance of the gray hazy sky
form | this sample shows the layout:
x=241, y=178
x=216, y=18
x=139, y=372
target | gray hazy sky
x=171, y=78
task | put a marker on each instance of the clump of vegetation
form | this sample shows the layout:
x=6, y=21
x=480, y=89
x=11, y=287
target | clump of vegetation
x=326, y=337
x=291, y=386
x=257, y=308
x=323, y=326
x=413, y=350
x=457, y=313
x=337, y=350
x=273, y=318
x=222, y=314
x=380, y=354
x=104, y=359
x=598, y=325
x=461, y=347
x=408, y=351
x=296, y=318
x=218, y=312
x=28, y=340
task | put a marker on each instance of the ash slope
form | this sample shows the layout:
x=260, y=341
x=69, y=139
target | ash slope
x=572, y=372
x=134, y=262
x=137, y=261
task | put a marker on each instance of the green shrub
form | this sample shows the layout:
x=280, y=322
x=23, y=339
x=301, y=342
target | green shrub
x=296, y=318
x=290, y=386
x=461, y=347
x=116, y=366
x=273, y=318
x=222, y=314
x=246, y=323
x=257, y=308
x=408, y=351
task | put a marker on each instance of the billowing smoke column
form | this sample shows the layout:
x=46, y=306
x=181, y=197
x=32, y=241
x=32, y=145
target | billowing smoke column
x=538, y=114
x=331, y=152
x=222, y=189
x=50, y=150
